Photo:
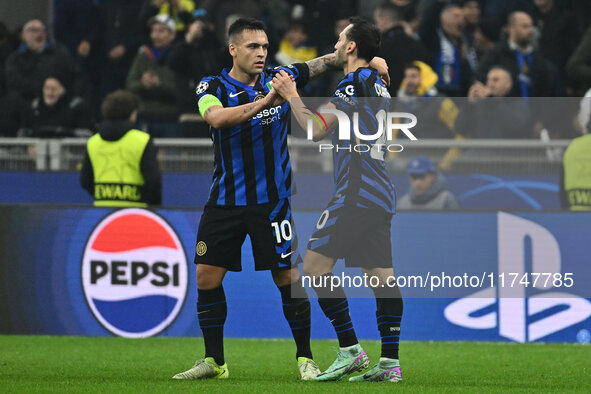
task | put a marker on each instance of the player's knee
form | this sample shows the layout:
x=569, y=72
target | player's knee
x=313, y=270
x=309, y=270
x=382, y=276
x=284, y=277
x=205, y=282
x=316, y=264
x=209, y=277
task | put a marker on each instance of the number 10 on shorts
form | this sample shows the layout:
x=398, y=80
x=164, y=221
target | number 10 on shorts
x=282, y=231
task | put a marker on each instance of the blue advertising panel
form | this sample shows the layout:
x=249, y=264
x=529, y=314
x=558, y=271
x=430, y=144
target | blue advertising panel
x=474, y=191
x=129, y=272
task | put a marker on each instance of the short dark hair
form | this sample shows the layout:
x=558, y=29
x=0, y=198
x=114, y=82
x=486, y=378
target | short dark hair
x=463, y=3
x=119, y=105
x=411, y=65
x=512, y=18
x=366, y=36
x=390, y=12
x=502, y=68
x=242, y=24
x=449, y=7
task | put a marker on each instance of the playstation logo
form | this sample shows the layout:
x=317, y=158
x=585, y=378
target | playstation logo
x=517, y=316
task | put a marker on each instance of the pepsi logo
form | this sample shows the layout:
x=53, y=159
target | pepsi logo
x=134, y=273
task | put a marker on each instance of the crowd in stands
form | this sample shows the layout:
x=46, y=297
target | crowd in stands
x=54, y=74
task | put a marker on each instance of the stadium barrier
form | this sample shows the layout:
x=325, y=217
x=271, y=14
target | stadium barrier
x=474, y=191
x=129, y=272
x=483, y=174
x=196, y=155
x=24, y=154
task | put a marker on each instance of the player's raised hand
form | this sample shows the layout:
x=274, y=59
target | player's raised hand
x=284, y=84
x=382, y=67
x=273, y=98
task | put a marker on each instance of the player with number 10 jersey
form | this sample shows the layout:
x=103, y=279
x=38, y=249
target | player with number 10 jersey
x=250, y=193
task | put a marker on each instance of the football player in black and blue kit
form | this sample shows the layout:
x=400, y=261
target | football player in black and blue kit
x=356, y=223
x=250, y=192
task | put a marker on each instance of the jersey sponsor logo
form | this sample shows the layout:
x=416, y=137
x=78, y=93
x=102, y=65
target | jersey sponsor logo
x=268, y=112
x=236, y=94
x=344, y=97
x=284, y=255
x=268, y=115
x=516, y=316
x=381, y=90
x=202, y=87
x=134, y=273
x=350, y=90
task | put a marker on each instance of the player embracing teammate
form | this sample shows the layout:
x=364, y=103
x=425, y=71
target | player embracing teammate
x=360, y=212
x=250, y=192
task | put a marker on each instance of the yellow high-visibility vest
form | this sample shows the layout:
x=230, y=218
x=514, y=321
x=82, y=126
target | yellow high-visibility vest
x=577, y=173
x=118, y=179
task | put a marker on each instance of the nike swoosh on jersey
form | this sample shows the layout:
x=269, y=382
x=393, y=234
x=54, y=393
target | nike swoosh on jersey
x=236, y=94
x=284, y=255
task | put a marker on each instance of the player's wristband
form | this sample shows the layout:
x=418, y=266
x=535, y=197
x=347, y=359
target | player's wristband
x=208, y=101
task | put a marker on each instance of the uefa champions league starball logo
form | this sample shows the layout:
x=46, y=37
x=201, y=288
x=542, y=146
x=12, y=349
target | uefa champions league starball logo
x=134, y=273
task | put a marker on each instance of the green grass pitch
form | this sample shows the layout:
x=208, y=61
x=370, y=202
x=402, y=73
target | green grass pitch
x=114, y=365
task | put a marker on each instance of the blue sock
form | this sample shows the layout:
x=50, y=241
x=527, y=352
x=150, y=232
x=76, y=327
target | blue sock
x=336, y=308
x=211, y=312
x=388, y=316
x=296, y=309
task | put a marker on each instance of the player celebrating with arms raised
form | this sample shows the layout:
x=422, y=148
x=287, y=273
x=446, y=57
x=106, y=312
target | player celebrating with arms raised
x=360, y=212
x=250, y=193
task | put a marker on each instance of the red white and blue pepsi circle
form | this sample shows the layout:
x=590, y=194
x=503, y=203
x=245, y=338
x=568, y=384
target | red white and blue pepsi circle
x=134, y=273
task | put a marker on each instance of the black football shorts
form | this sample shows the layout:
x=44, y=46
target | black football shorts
x=361, y=236
x=222, y=231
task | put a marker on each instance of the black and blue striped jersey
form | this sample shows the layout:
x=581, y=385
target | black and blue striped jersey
x=360, y=172
x=251, y=160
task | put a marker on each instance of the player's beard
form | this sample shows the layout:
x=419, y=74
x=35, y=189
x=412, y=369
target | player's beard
x=341, y=56
x=524, y=41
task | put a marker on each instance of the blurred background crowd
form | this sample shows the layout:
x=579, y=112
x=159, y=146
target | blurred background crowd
x=55, y=69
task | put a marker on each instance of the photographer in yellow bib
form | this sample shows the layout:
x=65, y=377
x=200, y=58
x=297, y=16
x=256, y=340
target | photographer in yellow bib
x=120, y=168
